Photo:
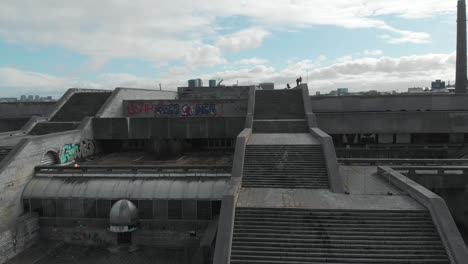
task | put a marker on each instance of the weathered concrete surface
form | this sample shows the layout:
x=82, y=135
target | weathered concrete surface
x=16, y=238
x=205, y=93
x=228, y=204
x=381, y=103
x=114, y=105
x=365, y=180
x=12, y=123
x=94, y=232
x=185, y=108
x=393, y=122
x=25, y=109
x=19, y=171
x=167, y=128
x=282, y=139
x=322, y=199
x=440, y=213
x=101, y=255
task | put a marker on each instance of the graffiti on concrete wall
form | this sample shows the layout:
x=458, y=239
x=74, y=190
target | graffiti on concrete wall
x=173, y=109
x=70, y=152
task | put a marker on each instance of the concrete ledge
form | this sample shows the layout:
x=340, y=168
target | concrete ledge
x=250, y=109
x=25, y=129
x=310, y=116
x=334, y=176
x=448, y=231
x=226, y=219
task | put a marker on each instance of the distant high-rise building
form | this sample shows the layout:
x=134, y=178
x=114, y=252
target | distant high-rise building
x=30, y=98
x=195, y=83
x=342, y=91
x=438, y=85
x=23, y=98
x=37, y=98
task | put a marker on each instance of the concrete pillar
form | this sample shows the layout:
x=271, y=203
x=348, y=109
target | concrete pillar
x=461, y=71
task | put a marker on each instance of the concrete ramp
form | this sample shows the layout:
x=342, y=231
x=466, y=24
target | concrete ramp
x=80, y=105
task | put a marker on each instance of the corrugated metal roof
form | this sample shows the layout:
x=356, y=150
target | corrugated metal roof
x=54, y=187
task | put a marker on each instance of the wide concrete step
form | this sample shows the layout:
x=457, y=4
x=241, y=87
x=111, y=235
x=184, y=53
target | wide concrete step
x=291, y=235
x=285, y=166
x=280, y=126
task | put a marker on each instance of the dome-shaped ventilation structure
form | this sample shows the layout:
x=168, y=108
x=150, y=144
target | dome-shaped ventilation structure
x=123, y=216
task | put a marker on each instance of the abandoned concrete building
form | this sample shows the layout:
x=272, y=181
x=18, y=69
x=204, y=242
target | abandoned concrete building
x=237, y=175
x=240, y=174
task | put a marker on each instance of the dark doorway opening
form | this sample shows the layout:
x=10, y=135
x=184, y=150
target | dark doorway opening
x=124, y=238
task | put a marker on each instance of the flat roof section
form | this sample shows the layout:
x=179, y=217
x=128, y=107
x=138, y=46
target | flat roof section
x=209, y=158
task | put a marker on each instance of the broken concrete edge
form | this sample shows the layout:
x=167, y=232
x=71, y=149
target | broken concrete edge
x=337, y=182
x=228, y=204
x=310, y=116
x=447, y=229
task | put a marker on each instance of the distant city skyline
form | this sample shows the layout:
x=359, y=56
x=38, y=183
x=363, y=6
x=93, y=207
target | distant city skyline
x=361, y=45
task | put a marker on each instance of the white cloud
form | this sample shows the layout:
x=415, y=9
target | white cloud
x=344, y=58
x=164, y=31
x=373, y=52
x=252, y=61
x=245, y=39
x=405, y=36
x=383, y=73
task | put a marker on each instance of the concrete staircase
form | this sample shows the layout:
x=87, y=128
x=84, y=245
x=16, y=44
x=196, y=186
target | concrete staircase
x=295, y=236
x=80, y=105
x=4, y=152
x=280, y=126
x=279, y=104
x=284, y=166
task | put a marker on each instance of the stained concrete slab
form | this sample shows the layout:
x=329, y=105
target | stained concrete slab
x=322, y=199
x=365, y=180
x=282, y=139
x=98, y=255
x=221, y=158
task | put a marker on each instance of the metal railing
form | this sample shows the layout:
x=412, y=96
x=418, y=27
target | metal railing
x=412, y=171
x=378, y=161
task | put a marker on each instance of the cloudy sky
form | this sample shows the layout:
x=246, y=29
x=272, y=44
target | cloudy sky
x=48, y=46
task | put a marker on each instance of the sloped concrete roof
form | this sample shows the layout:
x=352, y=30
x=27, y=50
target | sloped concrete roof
x=55, y=187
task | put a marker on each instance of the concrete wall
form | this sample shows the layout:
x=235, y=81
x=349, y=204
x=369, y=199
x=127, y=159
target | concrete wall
x=167, y=128
x=12, y=124
x=25, y=109
x=114, y=105
x=393, y=122
x=15, y=239
x=185, y=108
x=409, y=102
x=17, y=169
x=206, y=93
